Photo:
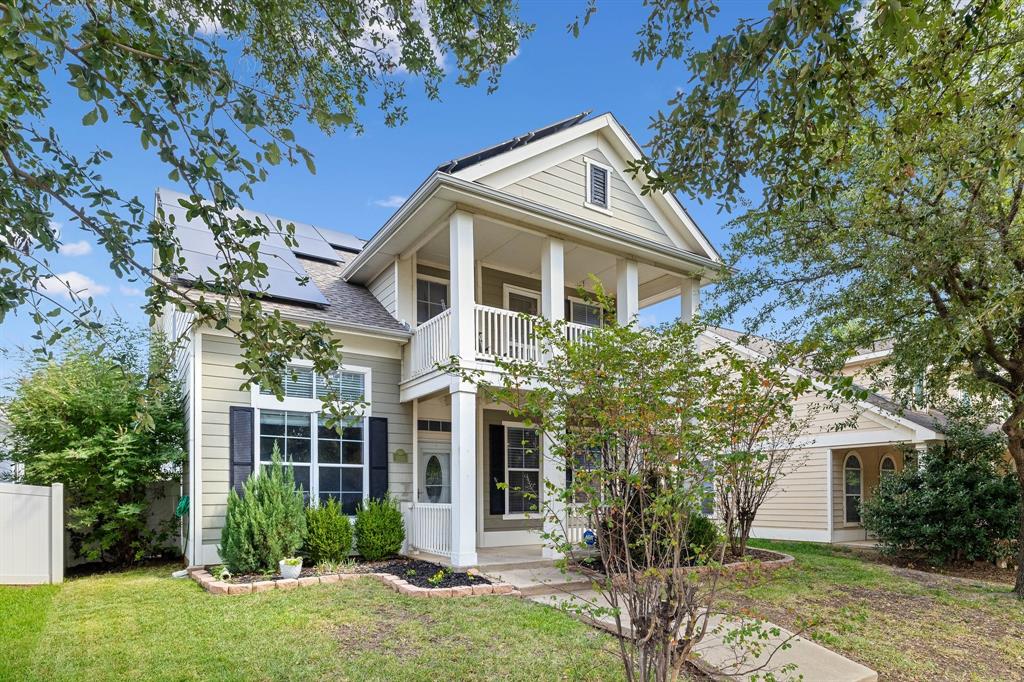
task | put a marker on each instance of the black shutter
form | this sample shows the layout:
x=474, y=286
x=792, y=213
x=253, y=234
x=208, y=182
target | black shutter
x=378, y=457
x=241, y=432
x=497, y=455
x=599, y=186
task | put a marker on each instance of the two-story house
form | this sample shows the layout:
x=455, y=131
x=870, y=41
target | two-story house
x=515, y=228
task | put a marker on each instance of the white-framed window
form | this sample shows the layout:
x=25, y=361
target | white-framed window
x=522, y=470
x=520, y=300
x=431, y=297
x=599, y=186
x=327, y=461
x=582, y=312
x=853, y=488
x=887, y=467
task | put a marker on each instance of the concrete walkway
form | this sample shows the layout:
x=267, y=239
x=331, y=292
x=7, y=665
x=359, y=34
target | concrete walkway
x=814, y=662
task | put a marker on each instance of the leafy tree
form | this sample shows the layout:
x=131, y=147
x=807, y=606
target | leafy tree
x=266, y=523
x=213, y=90
x=885, y=141
x=108, y=423
x=638, y=421
x=961, y=504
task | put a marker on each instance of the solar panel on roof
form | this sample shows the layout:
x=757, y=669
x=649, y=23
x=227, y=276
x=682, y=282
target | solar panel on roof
x=342, y=240
x=201, y=255
x=309, y=241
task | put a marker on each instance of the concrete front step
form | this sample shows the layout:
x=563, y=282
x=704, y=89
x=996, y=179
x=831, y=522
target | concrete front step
x=538, y=580
x=813, y=662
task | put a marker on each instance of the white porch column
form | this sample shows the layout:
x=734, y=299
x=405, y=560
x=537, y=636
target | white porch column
x=553, y=308
x=405, y=289
x=627, y=291
x=460, y=231
x=689, y=293
x=552, y=279
x=463, y=474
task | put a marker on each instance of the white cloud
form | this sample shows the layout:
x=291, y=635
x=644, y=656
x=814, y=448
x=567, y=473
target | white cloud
x=74, y=249
x=64, y=283
x=393, y=201
x=130, y=291
x=385, y=39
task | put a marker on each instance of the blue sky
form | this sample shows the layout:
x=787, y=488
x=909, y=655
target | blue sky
x=360, y=179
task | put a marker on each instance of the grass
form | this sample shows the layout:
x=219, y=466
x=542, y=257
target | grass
x=142, y=624
x=905, y=625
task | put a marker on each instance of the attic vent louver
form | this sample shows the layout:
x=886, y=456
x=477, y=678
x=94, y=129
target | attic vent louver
x=598, y=186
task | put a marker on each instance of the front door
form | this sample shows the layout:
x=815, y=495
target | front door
x=435, y=474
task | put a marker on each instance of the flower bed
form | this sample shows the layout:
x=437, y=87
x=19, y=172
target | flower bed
x=406, y=576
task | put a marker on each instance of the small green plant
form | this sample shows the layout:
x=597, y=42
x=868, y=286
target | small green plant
x=266, y=523
x=329, y=533
x=380, y=530
x=702, y=535
x=437, y=578
x=221, y=572
x=411, y=572
x=292, y=561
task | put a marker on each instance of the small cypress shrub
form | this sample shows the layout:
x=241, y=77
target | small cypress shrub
x=702, y=535
x=266, y=523
x=379, y=529
x=329, y=533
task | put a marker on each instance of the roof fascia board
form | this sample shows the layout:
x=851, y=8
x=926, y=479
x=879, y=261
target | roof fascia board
x=920, y=432
x=528, y=211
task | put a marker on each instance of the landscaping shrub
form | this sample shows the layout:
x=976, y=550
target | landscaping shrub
x=379, y=529
x=702, y=534
x=266, y=523
x=105, y=419
x=960, y=505
x=328, y=533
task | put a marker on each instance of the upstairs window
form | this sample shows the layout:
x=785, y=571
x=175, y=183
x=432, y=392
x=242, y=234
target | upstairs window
x=302, y=382
x=431, y=299
x=584, y=313
x=598, y=185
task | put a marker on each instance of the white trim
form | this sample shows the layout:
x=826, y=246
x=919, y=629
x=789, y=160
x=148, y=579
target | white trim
x=196, y=469
x=588, y=200
x=508, y=538
x=433, y=278
x=507, y=289
x=314, y=404
x=830, y=492
x=860, y=462
x=798, y=534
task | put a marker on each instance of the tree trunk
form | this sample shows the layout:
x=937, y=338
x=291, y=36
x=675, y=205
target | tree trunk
x=1015, y=444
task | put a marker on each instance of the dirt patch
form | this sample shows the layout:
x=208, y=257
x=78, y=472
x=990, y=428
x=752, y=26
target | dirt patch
x=982, y=570
x=392, y=633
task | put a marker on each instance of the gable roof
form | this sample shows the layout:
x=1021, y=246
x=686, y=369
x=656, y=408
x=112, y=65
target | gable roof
x=464, y=162
x=921, y=421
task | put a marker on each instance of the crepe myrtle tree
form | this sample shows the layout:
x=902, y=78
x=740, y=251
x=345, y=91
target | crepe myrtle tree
x=637, y=421
x=885, y=140
x=212, y=90
x=769, y=413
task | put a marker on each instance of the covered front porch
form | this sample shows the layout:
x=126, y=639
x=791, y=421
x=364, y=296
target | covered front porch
x=478, y=485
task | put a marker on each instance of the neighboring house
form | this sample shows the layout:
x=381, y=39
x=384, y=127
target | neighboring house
x=514, y=228
x=832, y=471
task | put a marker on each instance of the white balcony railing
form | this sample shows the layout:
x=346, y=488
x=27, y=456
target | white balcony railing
x=506, y=334
x=499, y=333
x=430, y=343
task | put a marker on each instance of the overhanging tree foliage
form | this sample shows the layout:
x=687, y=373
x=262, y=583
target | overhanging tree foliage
x=212, y=89
x=887, y=140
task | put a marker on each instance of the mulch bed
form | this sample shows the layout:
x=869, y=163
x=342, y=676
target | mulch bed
x=418, y=573
x=730, y=561
x=413, y=571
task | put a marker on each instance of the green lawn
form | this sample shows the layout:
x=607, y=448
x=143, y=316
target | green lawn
x=905, y=626
x=144, y=625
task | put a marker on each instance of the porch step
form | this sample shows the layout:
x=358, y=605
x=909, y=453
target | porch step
x=539, y=580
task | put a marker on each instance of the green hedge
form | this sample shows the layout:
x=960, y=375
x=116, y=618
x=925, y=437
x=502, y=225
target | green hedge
x=380, y=530
x=329, y=533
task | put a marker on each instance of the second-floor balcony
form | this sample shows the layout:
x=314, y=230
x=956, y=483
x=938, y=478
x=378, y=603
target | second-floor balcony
x=498, y=333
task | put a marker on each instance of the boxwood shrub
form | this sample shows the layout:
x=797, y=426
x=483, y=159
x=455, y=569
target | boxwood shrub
x=380, y=530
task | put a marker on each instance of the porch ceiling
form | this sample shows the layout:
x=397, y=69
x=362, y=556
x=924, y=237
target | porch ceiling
x=506, y=248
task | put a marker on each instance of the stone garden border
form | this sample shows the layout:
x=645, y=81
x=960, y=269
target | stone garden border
x=214, y=586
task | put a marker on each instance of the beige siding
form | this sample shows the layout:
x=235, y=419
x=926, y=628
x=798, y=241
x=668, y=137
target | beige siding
x=563, y=187
x=220, y=390
x=383, y=289
x=798, y=500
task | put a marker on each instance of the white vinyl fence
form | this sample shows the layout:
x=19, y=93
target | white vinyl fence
x=31, y=534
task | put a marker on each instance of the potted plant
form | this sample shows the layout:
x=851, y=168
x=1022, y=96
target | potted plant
x=290, y=567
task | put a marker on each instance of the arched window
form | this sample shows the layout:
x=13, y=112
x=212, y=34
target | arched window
x=887, y=467
x=853, y=487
